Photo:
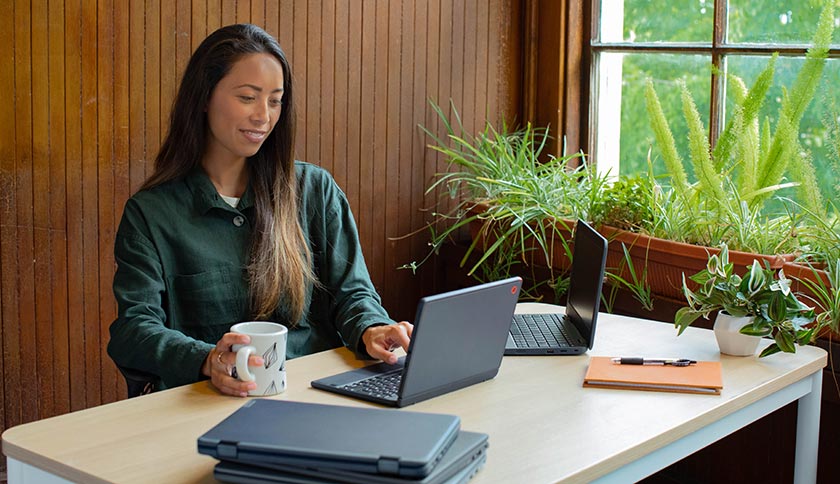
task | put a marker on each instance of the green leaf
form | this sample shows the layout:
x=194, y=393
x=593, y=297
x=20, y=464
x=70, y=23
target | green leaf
x=731, y=135
x=785, y=341
x=785, y=140
x=684, y=317
x=715, y=266
x=756, y=328
x=772, y=349
x=806, y=82
x=756, y=280
x=707, y=175
x=777, y=307
x=808, y=191
x=665, y=139
x=805, y=336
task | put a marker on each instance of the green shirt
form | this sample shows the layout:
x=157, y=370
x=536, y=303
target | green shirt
x=181, y=279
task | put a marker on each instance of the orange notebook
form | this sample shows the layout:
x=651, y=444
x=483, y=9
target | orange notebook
x=704, y=377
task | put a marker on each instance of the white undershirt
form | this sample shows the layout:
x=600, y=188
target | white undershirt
x=232, y=201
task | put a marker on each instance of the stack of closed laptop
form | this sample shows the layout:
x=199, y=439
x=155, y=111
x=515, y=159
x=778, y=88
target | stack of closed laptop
x=277, y=441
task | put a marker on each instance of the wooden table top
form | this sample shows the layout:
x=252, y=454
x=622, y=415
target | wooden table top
x=543, y=425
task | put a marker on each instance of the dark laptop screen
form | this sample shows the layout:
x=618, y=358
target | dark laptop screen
x=589, y=260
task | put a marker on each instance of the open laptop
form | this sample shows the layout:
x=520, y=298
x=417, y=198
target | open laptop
x=458, y=340
x=463, y=459
x=572, y=333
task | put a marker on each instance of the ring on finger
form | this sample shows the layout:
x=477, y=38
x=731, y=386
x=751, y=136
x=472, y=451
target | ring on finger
x=219, y=357
x=228, y=368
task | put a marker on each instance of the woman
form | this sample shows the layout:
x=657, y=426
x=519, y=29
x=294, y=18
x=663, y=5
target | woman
x=230, y=228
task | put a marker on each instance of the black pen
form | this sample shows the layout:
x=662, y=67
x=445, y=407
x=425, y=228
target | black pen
x=653, y=361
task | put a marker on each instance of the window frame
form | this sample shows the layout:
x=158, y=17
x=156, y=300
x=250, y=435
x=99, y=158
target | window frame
x=718, y=50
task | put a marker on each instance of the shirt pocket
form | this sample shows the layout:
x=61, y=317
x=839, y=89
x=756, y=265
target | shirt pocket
x=206, y=304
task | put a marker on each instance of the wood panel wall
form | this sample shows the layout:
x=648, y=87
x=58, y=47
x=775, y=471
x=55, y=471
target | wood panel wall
x=87, y=87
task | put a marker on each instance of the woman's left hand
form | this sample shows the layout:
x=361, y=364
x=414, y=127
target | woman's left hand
x=381, y=340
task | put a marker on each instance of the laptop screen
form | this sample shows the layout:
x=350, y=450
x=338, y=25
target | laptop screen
x=588, y=263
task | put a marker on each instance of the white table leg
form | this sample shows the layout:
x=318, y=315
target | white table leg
x=21, y=473
x=808, y=432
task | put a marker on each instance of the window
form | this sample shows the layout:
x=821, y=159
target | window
x=691, y=41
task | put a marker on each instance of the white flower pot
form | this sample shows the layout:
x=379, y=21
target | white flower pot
x=730, y=340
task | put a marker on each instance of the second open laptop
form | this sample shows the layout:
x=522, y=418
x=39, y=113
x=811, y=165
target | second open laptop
x=572, y=333
x=458, y=340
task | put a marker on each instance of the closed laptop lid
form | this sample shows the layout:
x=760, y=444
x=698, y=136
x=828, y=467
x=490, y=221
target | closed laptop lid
x=351, y=438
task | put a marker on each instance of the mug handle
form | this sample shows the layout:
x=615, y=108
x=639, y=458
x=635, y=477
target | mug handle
x=242, y=355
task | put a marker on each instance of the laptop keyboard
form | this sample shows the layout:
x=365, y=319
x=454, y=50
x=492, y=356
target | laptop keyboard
x=385, y=385
x=539, y=331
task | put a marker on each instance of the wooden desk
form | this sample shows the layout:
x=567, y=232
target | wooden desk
x=543, y=426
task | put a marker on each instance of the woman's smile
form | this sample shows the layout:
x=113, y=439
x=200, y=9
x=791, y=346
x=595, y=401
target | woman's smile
x=254, y=136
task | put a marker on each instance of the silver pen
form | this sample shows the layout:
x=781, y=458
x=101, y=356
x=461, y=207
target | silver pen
x=624, y=360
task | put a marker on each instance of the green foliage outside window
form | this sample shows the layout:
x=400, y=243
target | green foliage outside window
x=751, y=21
x=750, y=161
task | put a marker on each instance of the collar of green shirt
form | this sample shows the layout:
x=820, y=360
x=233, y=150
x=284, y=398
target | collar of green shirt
x=206, y=196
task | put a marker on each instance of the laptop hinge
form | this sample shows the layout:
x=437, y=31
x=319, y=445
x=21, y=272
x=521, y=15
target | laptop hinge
x=226, y=450
x=388, y=465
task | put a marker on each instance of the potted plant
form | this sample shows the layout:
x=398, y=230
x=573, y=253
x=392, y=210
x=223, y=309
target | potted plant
x=734, y=180
x=816, y=270
x=518, y=205
x=816, y=273
x=761, y=303
x=748, y=164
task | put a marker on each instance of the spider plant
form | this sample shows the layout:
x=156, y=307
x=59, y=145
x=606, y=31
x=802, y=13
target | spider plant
x=635, y=283
x=826, y=295
x=501, y=178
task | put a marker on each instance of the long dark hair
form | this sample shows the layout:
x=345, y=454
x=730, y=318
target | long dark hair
x=280, y=265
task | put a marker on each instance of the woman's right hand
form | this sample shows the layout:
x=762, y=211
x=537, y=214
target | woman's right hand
x=220, y=362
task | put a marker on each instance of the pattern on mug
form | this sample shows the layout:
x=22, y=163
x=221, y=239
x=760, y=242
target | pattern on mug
x=270, y=356
x=272, y=389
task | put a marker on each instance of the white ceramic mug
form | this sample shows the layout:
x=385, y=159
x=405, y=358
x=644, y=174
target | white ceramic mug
x=269, y=341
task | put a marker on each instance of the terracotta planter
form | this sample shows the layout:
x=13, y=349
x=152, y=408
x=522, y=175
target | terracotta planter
x=485, y=233
x=666, y=260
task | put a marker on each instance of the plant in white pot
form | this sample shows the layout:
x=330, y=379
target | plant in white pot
x=758, y=304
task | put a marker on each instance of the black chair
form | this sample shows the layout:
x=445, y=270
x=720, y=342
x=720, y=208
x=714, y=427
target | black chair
x=139, y=382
